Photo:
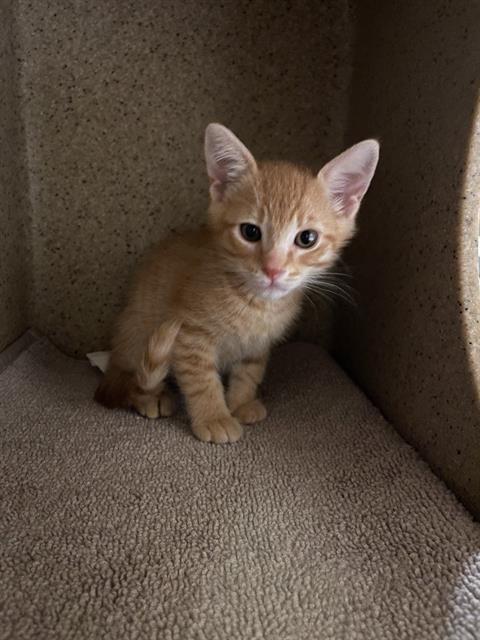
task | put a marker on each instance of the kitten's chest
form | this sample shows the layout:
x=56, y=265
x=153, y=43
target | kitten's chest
x=252, y=336
x=234, y=347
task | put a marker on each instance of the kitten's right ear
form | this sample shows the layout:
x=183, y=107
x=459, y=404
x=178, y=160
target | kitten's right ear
x=347, y=177
x=227, y=158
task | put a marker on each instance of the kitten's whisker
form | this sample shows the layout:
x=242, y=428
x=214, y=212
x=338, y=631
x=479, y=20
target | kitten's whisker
x=335, y=291
x=322, y=294
x=323, y=289
x=314, y=306
x=345, y=288
x=331, y=277
x=333, y=284
x=340, y=292
x=339, y=274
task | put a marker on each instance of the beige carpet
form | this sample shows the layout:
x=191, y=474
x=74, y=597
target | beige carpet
x=321, y=523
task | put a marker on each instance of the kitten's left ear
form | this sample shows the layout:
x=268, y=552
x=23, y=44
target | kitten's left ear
x=228, y=159
x=347, y=177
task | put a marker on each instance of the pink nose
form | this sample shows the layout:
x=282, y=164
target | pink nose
x=272, y=272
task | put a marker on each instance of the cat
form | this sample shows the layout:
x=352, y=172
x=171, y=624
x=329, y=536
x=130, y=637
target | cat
x=217, y=299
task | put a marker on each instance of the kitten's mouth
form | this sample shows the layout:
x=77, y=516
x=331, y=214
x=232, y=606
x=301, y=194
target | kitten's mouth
x=273, y=290
x=270, y=290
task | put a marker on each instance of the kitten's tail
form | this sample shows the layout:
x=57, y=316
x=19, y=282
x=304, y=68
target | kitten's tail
x=155, y=361
x=120, y=388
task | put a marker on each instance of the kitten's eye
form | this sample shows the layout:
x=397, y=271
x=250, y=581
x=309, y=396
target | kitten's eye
x=306, y=239
x=250, y=232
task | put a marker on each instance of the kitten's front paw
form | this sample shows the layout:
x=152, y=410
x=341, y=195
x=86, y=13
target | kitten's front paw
x=219, y=430
x=250, y=412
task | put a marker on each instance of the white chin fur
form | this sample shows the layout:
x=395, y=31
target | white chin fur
x=273, y=293
x=262, y=289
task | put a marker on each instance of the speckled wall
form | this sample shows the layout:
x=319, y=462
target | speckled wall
x=117, y=95
x=14, y=250
x=414, y=342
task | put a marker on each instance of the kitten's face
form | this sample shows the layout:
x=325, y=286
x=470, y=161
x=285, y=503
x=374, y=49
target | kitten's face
x=278, y=230
x=280, y=226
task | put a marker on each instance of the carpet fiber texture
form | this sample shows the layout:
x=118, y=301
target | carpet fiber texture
x=321, y=523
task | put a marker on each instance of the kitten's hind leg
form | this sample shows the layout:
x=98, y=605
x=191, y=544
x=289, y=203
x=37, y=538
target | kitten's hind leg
x=160, y=403
x=147, y=406
x=241, y=395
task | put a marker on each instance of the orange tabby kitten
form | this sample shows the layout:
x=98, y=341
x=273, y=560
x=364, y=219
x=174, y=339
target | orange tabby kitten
x=216, y=300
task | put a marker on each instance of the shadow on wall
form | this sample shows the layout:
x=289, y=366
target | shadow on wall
x=416, y=87
x=116, y=99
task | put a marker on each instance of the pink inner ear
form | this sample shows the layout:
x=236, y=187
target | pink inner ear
x=347, y=199
x=219, y=176
x=348, y=176
x=220, y=172
x=217, y=189
x=227, y=159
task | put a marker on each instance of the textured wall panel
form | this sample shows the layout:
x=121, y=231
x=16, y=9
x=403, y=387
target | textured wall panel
x=414, y=344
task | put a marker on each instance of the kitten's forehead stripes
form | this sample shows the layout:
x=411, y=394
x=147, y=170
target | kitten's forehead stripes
x=281, y=188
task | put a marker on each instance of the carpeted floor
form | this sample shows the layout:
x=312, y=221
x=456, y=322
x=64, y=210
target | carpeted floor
x=321, y=523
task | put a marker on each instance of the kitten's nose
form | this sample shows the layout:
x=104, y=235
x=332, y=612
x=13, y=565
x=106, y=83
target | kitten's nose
x=273, y=272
